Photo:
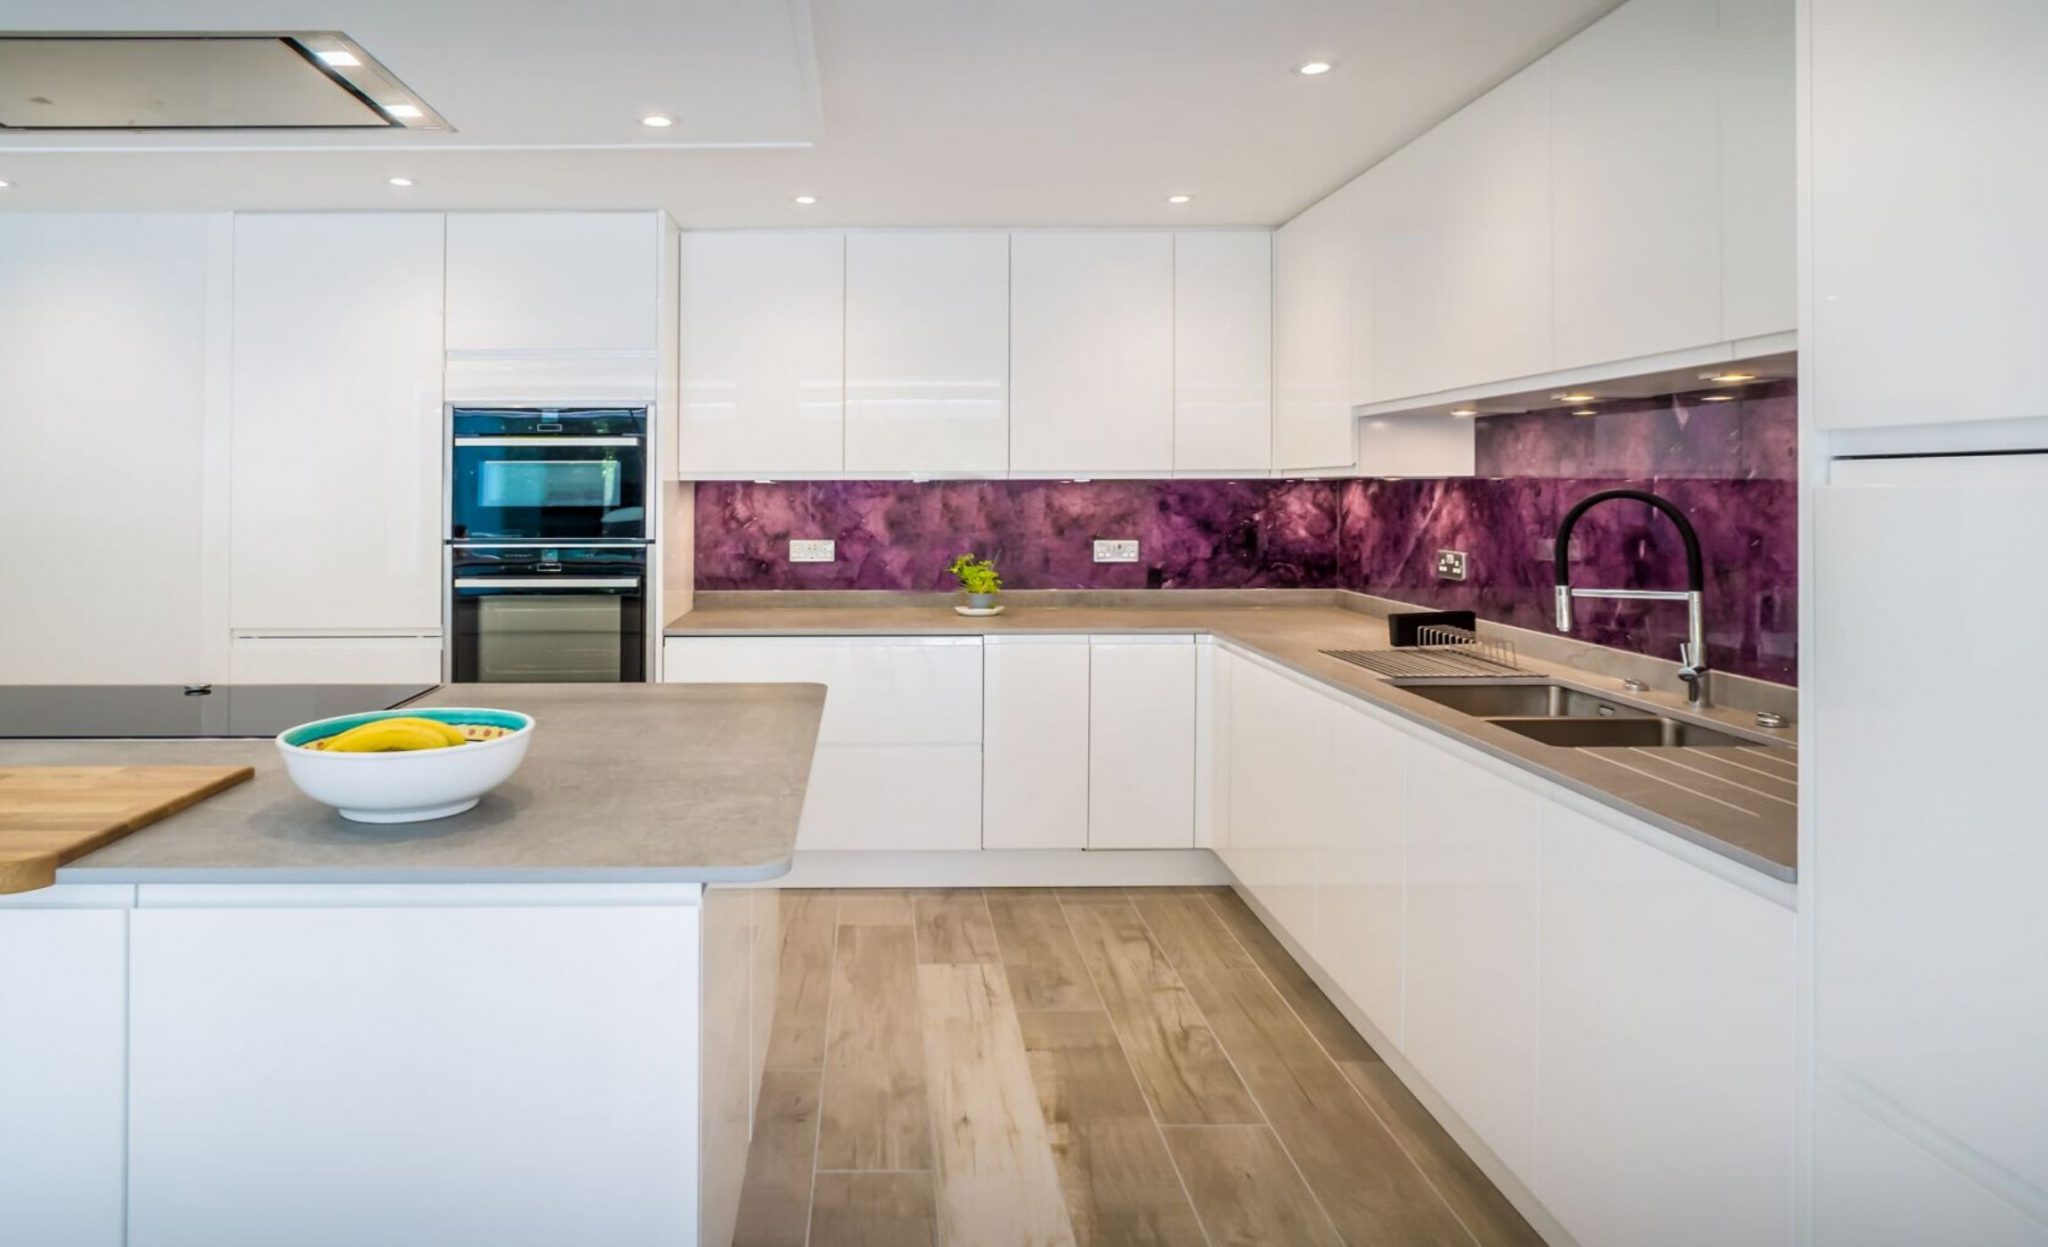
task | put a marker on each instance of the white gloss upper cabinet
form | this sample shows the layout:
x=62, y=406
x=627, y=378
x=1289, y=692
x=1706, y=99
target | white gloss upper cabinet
x=1929, y=186
x=336, y=450
x=1318, y=298
x=552, y=282
x=1635, y=196
x=1141, y=743
x=1034, y=787
x=1091, y=367
x=1759, y=183
x=927, y=353
x=763, y=355
x=1666, y=1106
x=103, y=397
x=1222, y=352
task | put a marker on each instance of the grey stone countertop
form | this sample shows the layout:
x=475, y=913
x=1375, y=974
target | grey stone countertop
x=623, y=783
x=1740, y=803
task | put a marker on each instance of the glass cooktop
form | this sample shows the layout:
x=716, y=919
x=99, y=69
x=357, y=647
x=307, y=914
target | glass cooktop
x=75, y=711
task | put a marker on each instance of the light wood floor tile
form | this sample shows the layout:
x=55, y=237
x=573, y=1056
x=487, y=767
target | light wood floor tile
x=873, y=1210
x=1121, y=1187
x=874, y=1113
x=996, y=1185
x=1371, y=1189
x=1178, y=1062
x=776, y=1200
x=797, y=1039
x=1322, y=1018
x=1246, y=1190
x=872, y=907
x=1084, y=896
x=1044, y=963
x=954, y=928
x=1193, y=933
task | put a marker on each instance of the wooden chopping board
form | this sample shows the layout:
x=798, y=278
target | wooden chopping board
x=50, y=815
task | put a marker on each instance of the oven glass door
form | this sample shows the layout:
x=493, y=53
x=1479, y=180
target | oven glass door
x=526, y=477
x=542, y=616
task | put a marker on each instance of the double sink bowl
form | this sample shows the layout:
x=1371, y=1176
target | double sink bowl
x=1574, y=718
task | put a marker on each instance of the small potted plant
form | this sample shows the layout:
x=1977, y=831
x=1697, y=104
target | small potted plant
x=977, y=576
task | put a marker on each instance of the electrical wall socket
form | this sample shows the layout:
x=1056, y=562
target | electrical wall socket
x=813, y=551
x=1116, y=551
x=1450, y=564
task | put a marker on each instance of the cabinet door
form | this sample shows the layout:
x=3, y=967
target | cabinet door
x=763, y=354
x=103, y=350
x=1091, y=373
x=1223, y=352
x=1759, y=169
x=1313, y=337
x=1929, y=184
x=335, y=660
x=1359, y=890
x=1141, y=743
x=928, y=353
x=553, y=281
x=1470, y=1015
x=1034, y=788
x=1668, y=1047
x=1634, y=191
x=1279, y=774
x=336, y=479
x=63, y=1072
x=1403, y=230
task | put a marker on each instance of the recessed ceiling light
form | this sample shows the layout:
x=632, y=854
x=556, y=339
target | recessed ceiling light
x=1180, y=199
x=404, y=110
x=399, y=181
x=1313, y=69
x=1575, y=397
x=657, y=121
x=1717, y=398
x=1728, y=378
x=807, y=200
x=1585, y=411
x=338, y=58
x=1464, y=411
x=5, y=184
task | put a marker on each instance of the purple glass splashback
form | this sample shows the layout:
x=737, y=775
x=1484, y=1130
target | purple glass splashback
x=1729, y=466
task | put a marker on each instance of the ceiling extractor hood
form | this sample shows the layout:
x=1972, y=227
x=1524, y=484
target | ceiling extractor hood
x=293, y=80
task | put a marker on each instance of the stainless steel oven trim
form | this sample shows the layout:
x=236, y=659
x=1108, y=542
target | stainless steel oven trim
x=623, y=543
x=547, y=441
x=547, y=582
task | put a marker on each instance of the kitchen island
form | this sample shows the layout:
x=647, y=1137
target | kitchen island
x=541, y=1021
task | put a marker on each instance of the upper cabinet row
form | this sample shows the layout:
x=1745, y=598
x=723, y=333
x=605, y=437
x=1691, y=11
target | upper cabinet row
x=975, y=353
x=1629, y=196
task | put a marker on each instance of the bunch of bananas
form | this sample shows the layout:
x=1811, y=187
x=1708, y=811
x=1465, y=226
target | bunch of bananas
x=394, y=736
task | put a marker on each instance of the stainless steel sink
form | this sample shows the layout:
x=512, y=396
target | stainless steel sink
x=1647, y=732
x=1488, y=699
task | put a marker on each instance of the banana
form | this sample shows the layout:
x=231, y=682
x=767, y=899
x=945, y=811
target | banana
x=447, y=731
x=386, y=736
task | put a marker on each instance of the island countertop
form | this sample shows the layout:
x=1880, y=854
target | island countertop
x=623, y=783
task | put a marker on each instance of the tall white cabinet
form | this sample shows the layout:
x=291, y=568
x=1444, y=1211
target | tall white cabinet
x=1222, y=352
x=1321, y=312
x=336, y=457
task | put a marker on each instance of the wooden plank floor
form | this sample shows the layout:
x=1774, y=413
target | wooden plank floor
x=1099, y=1068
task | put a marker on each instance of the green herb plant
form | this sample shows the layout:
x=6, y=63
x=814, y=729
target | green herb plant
x=976, y=575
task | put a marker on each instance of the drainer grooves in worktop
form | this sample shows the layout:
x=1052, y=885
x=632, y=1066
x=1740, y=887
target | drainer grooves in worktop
x=1439, y=651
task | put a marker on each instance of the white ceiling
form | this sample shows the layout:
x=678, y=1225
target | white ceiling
x=892, y=112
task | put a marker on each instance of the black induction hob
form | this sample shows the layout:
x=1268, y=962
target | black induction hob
x=76, y=711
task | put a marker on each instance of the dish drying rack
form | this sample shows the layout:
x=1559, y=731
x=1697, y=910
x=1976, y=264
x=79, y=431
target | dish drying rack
x=1438, y=652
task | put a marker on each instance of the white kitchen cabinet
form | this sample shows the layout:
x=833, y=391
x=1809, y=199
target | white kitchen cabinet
x=899, y=747
x=1469, y=1019
x=1091, y=366
x=103, y=394
x=1759, y=176
x=1928, y=186
x=763, y=354
x=256, y=658
x=1141, y=742
x=63, y=1067
x=1361, y=868
x=1034, y=788
x=1871, y=1185
x=1318, y=294
x=336, y=459
x=1279, y=760
x=927, y=353
x=1666, y=1098
x=550, y=282
x=1222, y=352
x=1635, y=193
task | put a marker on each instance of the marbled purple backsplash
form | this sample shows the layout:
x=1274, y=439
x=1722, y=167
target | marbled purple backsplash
x=1729, y=466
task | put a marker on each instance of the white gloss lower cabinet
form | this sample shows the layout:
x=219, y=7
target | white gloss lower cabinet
x=899, y=747
x=1141, y=743
x=1034, y=763
x=63, y=1070
x=1279, y=772
x=1361, y=866
x=1666, y=1091
x=262, y=659
x=1470, y=1015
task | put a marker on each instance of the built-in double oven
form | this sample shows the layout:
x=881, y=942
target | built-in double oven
x=549, y=549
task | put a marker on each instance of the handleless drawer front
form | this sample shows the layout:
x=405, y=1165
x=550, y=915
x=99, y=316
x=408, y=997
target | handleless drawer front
x=880, y=690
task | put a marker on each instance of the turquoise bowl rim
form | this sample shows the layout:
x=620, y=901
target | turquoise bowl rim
x=320, y=729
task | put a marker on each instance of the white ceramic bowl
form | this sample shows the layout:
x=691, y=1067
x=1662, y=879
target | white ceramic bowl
x=408, y=786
